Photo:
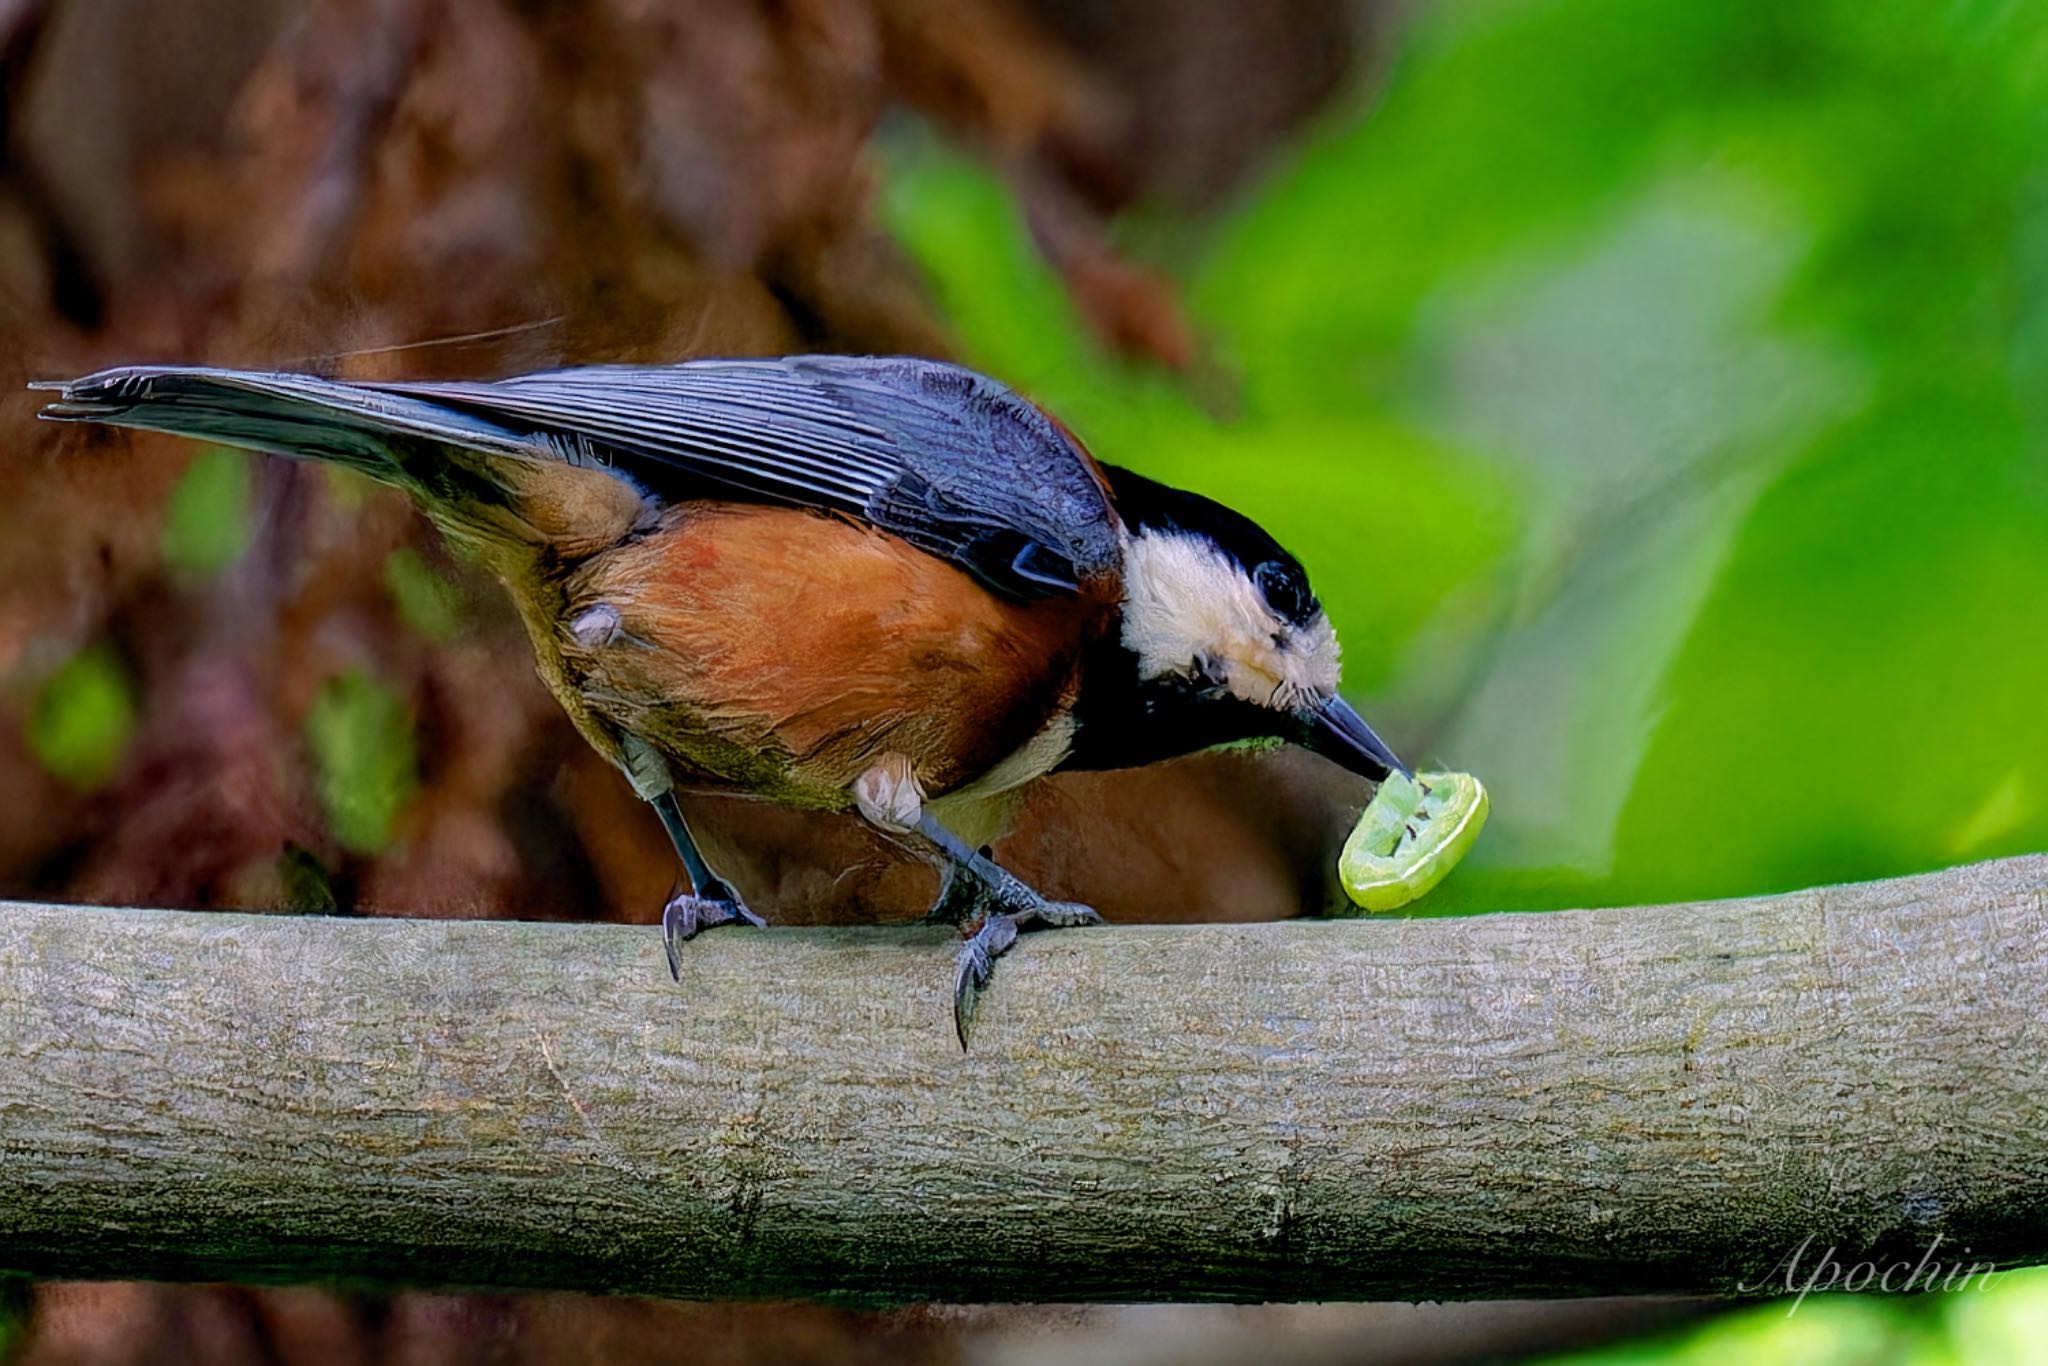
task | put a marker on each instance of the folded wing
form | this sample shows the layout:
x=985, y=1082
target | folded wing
x=950, y=461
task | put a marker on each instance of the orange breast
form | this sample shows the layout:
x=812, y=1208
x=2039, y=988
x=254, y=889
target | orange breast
x=780, y=651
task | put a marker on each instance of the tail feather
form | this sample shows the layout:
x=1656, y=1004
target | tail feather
x=486, y=484
x=285, y=414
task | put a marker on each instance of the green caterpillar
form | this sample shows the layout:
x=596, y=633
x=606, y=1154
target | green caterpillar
x=1412, y=834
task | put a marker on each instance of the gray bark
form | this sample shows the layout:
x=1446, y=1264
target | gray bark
x=1669, y=1098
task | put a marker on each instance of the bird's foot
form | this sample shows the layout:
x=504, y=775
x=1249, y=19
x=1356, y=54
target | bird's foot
x=688, y=914
x=990, y=938
x=962, y=896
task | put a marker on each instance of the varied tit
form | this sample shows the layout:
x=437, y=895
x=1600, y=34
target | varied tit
x=883, y=585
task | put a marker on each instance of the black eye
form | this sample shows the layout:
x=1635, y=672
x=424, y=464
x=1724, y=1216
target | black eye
x=1285, y=589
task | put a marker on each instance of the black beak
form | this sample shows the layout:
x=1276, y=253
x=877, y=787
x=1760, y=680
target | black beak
x=1336, y=732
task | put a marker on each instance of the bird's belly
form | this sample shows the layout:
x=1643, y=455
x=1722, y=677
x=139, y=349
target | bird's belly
x=780, y=652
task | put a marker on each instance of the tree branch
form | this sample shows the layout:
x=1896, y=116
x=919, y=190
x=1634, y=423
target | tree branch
x=1668, y=1098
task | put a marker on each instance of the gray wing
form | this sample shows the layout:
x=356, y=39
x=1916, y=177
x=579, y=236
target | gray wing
x=945, y=458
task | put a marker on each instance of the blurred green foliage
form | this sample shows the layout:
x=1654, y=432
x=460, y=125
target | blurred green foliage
x=360, y=733
x=427, y=602
x=83, y=717
x=307, y=887
x=16, y=1290
x=1658, y=396
x=2001, y=1320
x=206, y=519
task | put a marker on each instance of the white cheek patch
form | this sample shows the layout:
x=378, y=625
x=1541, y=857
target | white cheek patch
x=1185, y=600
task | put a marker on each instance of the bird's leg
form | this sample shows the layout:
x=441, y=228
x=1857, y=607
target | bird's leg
x=708, y=903
x=991, y=905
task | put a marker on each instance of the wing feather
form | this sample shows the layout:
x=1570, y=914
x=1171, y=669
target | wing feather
x=945, y=458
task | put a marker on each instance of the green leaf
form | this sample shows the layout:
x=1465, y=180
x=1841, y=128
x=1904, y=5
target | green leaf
x=83, y=718
x=206, y=520
x=1006, y=304
x=1647, y=397
x=361, y=737
x=1862, y=696
x=427, y=602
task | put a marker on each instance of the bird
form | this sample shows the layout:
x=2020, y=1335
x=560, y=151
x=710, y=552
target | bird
x=885, y=585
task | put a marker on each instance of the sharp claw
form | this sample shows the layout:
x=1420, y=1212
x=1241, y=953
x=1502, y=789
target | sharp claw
x=991, y=906
x=1064, y=914
x=687, y=915
x=970, y=974
x=977, y=962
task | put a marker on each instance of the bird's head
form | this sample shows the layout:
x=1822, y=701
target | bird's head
x=1227, y=639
